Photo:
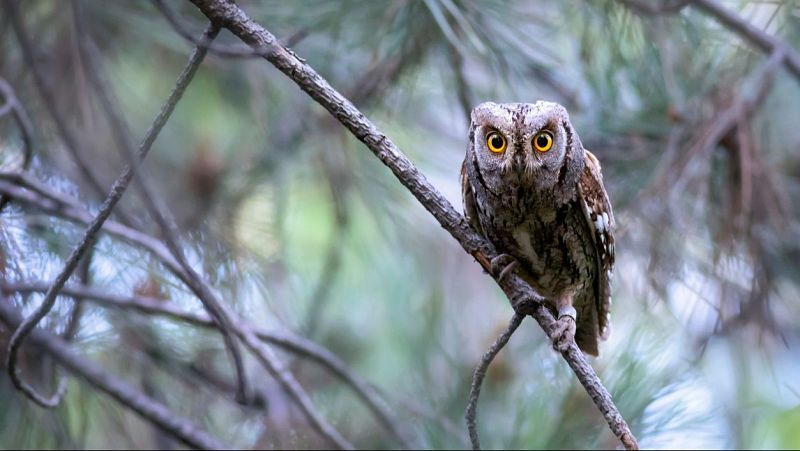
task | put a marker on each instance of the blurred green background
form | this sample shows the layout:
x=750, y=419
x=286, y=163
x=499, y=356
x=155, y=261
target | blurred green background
x=301, y=228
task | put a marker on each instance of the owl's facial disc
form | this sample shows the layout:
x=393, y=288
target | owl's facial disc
x=522, y=143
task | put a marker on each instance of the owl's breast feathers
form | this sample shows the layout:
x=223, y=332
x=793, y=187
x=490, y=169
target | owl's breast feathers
x=561, y=246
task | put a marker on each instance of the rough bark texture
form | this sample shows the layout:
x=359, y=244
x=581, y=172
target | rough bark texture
x=519, y=293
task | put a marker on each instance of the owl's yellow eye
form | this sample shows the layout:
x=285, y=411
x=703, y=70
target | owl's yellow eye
x=496, y=142
x=543, y=141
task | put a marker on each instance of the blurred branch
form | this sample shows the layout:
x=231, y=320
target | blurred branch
x=295, y=344
x=48, y=96
x=333, y=258
x=124, y=141
x=519, y=293
x=149, y=409
x=766, y=42
x=217, y=49
x=264, y=355
x=91, y=233
x=725, y=121
x=654, y=7
x=480, y=373
x=15, y=108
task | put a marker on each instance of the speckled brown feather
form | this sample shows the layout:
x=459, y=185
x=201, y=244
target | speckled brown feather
x=596, y=205
x=547, y=209
x=470, y=206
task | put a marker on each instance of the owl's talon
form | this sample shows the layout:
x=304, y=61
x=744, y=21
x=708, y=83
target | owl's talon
x=564, y=334
x=502, y=265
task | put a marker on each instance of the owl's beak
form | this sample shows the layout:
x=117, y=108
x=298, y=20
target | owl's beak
x=519, y=162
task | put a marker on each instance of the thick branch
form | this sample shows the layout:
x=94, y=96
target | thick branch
x=522, y=297
x=149, y=409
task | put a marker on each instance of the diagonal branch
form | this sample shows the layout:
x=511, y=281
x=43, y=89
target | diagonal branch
x=14, y=107
x=91, y=233
x=241, y=329
x=766, y=42
x=123, y=139
x=480, y=373
x=49, y=97
x=146, y=407
x=293, y=343
x=519, y=293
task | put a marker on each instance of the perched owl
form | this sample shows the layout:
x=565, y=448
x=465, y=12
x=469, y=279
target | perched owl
x=531, y=188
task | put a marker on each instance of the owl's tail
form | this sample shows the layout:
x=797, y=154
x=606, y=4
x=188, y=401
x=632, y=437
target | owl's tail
x=586, y=339
x=586, y=333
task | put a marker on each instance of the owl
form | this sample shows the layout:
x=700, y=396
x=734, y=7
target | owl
x=531, y=188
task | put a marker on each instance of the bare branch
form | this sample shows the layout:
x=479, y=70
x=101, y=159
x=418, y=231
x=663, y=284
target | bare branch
x=264, y=355
x=220, y=312
x=480, y=373
x=519, y=293
x=91, y=233
x=651, y=7
x=124, y=141
x=28, y=54
x=149, y=409
x=295, y=344
x=15, y=108
x=765, y=42
x=217, y=49
x=768, y=43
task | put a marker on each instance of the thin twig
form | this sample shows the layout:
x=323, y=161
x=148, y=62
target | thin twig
x=228, y=320
x=264, y=355
x=13, y=106
x=480, y=373
x=124, y=141
x=218, y=49
x=766, y=42
x=651, y=7
x=91, y=233
x=48, y=96
x=519, y=293
x=149, y=409
x=723, y=122
x=293, y=343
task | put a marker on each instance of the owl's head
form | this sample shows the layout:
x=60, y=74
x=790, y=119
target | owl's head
x=532, y=144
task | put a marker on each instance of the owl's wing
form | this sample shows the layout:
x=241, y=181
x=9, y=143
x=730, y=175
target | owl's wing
x=470, y=205
x=600, y=218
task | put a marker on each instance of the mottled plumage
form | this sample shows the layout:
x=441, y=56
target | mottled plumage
x=547, y=209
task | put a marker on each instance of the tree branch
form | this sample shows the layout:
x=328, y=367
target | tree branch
x=91, y=233
x=768, y=43
x=295, y=344
x=48, y=96
x=123, y=140
x=480, y=373
x=149, y=409
x=14, y=107
x=765, y=42
x=264, y=355
x=519, y=293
